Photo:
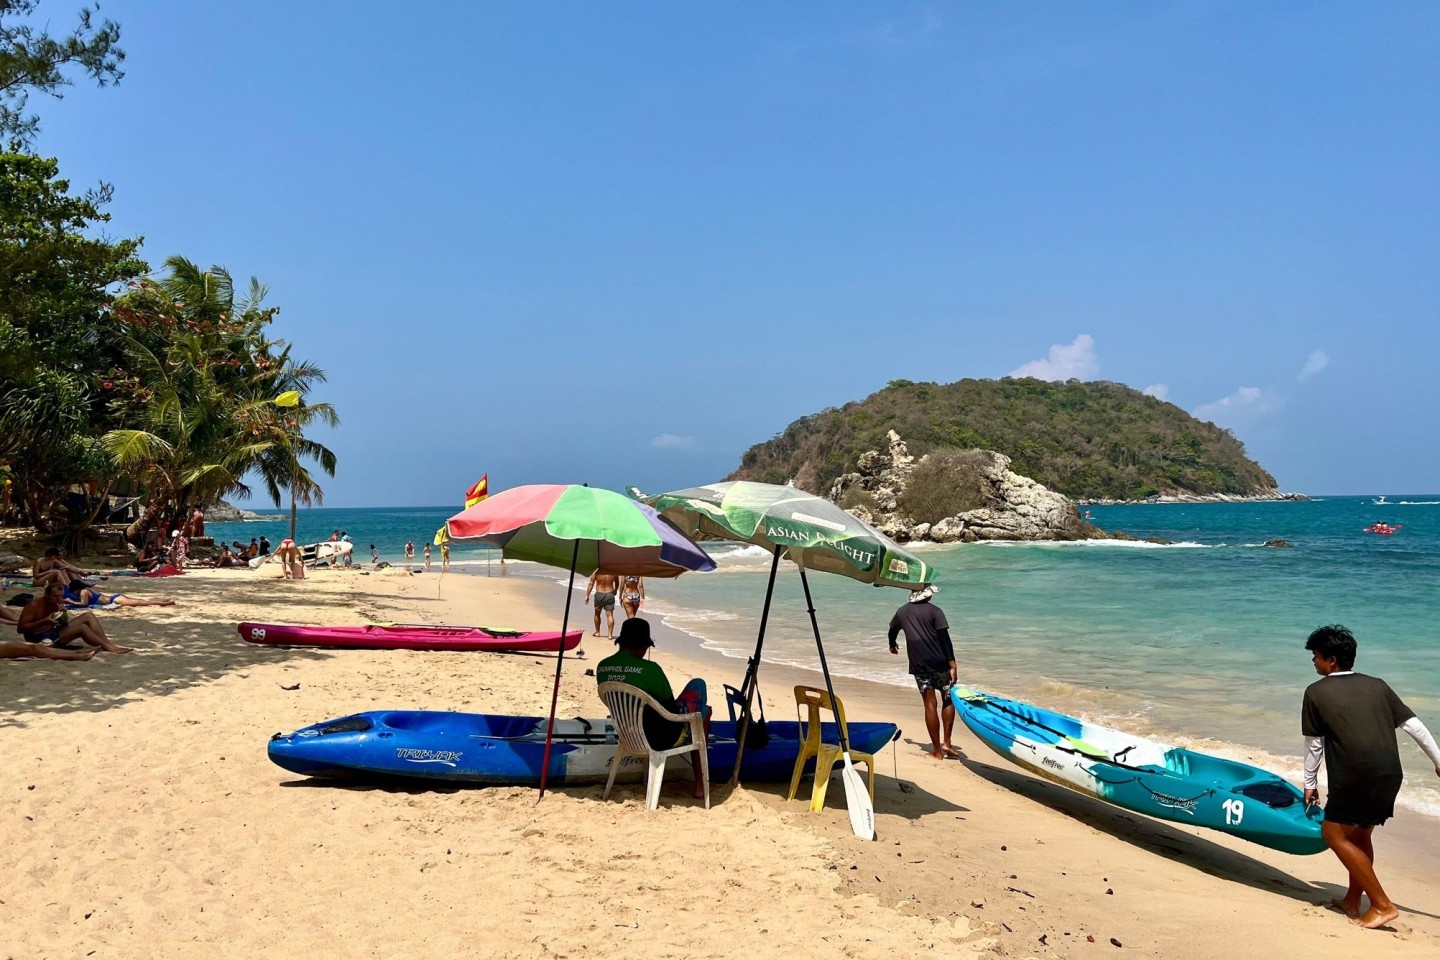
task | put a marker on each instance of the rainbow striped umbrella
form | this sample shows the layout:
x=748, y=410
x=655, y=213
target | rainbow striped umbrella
x=584, y=529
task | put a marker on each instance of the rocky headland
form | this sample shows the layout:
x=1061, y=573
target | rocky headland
x=1011, y=506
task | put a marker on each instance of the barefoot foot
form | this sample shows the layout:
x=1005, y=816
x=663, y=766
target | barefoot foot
x=1375, y=918
x=1351, y=909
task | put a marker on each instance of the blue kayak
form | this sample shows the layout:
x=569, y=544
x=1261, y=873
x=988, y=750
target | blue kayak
x=1169, y=783
x=497, y=749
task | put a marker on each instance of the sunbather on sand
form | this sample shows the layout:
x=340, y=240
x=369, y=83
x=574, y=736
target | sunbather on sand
x=45, y=620
x=19, y=649
x=54, y=568
x=78, y=595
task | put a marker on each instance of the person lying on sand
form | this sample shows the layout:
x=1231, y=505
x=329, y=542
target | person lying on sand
x=78, y=595
x=19, y=649
x=45, y=619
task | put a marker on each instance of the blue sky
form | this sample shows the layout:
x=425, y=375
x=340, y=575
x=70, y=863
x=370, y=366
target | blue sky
x=619, y=243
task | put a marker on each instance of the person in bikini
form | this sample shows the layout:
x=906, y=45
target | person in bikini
x=1349, y=719
x=604, y=586
x=632, y=594
x=77, y=594
x=45, y=620
x=932, y=662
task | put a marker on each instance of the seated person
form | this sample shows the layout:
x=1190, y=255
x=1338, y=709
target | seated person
x=148, y=559
x=630, y=665
x=227, y=557
x=45, y=619
x=78, y=595
x=54, y=568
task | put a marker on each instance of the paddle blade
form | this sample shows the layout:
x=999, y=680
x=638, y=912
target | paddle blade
x=857, y=799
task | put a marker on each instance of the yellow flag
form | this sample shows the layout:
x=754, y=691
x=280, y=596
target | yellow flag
x=288, y=399
x=441, y=536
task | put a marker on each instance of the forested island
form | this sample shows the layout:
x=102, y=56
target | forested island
x=1087, y=440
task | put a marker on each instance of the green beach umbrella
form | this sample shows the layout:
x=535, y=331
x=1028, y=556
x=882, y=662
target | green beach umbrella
x=817, y=535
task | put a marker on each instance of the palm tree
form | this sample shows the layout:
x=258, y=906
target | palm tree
x=200, y=385
x=280, y=466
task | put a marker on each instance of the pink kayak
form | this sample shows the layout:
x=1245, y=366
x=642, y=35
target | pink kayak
x=409, y=637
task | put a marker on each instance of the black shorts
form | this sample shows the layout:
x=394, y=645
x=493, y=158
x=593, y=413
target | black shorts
x=1365, y=804
x=938, y=680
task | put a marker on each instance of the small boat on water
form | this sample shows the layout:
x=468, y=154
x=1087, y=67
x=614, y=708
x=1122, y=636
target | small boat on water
x=502, y=750
x=409, y=637
x=1169, y=783
x=1384, y=529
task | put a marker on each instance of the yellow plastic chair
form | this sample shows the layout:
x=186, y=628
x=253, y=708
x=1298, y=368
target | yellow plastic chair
x=826, y=754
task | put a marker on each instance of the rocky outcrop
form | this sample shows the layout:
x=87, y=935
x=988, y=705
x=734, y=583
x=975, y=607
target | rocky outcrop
x=222, y=512
x=1014, y=507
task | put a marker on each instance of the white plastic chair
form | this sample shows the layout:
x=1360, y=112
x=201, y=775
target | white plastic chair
x=627, y=705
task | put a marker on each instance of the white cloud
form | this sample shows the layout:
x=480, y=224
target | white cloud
x=669, y=441
x=1242, y=405
x=1074, y=360
x=1316, y=362
x=1159, y=391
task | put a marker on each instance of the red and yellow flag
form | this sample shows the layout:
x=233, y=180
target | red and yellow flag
x=478, y=491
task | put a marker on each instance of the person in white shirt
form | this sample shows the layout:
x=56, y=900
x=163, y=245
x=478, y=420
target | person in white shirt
x=1350, y=720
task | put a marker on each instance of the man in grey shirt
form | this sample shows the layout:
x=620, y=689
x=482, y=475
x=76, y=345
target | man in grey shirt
x=932, y=662
x=1350, y=719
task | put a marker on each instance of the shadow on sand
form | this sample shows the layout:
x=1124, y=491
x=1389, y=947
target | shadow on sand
x=1170, y=842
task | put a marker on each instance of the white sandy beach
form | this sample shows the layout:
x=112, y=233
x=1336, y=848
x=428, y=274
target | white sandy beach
x=146, y=820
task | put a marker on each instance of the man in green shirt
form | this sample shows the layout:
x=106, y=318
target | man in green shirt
x=630, y=665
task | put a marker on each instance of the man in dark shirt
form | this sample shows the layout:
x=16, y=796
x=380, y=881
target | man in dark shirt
x=1350, y=719
x=932, y=662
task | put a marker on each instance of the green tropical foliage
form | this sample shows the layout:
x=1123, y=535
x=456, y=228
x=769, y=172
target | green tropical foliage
x=194, y=395
x=166, y=384
x=32, y=59
x=1086, y=440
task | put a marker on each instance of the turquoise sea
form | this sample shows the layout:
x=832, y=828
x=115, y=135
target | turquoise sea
x=1200, y=642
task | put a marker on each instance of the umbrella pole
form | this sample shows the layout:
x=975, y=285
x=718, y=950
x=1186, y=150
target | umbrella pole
x=752, y=671
x=824, y=667
x=559, y=660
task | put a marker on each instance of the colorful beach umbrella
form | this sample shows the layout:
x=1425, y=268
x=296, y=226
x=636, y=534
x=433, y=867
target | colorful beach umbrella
x=583, y=529
x=817, y=535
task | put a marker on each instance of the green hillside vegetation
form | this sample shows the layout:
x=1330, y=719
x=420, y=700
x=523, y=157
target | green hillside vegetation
x=1086, y=440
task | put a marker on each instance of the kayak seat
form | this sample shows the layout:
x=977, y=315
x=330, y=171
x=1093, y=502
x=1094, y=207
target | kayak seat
x=1210, y=769
x=627, y=705
x=733, y=698
x=827, y=753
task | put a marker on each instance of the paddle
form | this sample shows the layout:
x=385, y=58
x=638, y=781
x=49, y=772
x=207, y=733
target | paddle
x=857, y=797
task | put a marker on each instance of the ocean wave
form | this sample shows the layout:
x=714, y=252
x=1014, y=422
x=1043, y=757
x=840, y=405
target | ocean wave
x=1418, y=503
x=733, y=550
x=1113, y=544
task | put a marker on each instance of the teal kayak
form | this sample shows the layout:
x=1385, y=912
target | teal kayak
x=1161, y=781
